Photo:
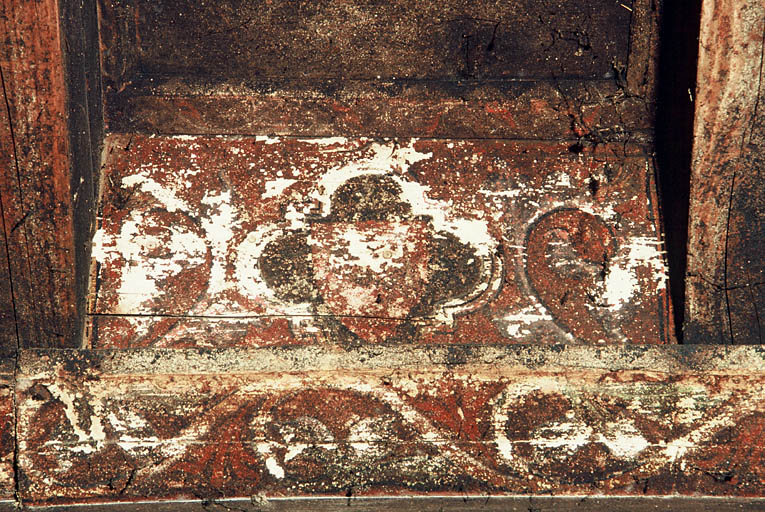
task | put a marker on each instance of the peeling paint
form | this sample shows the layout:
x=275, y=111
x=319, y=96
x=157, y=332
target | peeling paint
x=622, y=281
x=565, y=431
x=247, y=246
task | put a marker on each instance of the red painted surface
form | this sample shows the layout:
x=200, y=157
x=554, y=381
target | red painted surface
x=725, y=291
x=211, y=241
x=472, y=430
x=7, y=441
x=35, y=189
x=216, y=241
x=596, y=111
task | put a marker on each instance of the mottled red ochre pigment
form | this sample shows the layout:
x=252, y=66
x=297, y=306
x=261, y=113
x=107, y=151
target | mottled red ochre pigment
x=475, y=429
x=224, y=241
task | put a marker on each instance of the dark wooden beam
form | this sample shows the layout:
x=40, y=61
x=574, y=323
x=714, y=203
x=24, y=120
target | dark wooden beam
x=8, y=334
x=487, y=503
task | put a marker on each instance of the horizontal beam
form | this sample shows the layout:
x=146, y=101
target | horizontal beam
x=596, y=111
x=429, y=503
x=111, y=426
x=150, y=361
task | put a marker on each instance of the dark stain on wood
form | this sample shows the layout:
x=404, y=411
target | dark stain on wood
x=365, y=40
x=85, y=126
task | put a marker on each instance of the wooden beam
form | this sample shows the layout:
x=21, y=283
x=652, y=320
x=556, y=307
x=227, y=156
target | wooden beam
x=596, y=111
x=8, y=334
x=487, y=503
x=46, y=188
x=726, y=269
x=519, y=200
x=395, y=420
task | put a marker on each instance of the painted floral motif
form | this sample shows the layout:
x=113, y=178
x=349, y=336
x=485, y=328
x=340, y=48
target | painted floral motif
x=374, y=271
x=222, y=436
x=258, y=242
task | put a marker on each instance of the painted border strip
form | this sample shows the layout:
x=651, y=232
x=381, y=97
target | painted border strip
x=665, y=359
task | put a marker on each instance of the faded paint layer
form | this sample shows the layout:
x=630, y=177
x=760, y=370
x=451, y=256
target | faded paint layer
x=453, y=68
x=451, y=429
x=221, y=241
x=7, y=430
x=594, y=112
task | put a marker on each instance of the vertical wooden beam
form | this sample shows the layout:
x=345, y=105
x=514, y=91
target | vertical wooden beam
x=7, y=318
x=8, y=325
x=8, y=338
x=41, y=183
x=644, y=47
x=79, y=27
x=726, y=277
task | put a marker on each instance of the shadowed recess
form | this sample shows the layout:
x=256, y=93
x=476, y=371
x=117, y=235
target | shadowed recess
x=678, y=51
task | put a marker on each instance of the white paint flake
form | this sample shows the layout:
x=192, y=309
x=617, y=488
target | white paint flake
x=95, y=434
x=568, y=435
x=517, y=323
x=622, y=281
x=150, y=258
x=276, y=187
x=374, y=249
x=266, y=139
x=326, y=141
x=293, y=450
x=220, y=226
x=677, y=448
x=512, y=192
x=623, y=439
x=274, y=468
x=384, y=159
x=128, y=443
x=163, y=194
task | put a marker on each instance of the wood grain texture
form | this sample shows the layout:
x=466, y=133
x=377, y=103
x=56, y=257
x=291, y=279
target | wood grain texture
x=725, y=291
x=598, y=427
x=641, y=75
x=397, y=39
x=487, y=503
x=541, y=69
x=86, y=132
x=228, y=241
x=8, y=336
x=8, y=339
x=593, y=112
x=35, y=176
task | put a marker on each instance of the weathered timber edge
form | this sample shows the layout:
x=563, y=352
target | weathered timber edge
x=725, y=270
x=425, y=504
